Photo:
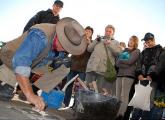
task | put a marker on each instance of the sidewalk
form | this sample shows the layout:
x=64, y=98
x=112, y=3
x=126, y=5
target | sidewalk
x=15, y=110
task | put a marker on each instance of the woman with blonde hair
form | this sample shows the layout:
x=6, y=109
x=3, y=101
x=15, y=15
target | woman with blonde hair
x=126, y=73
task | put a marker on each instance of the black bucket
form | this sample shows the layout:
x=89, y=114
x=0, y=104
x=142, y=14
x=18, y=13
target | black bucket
x=94, y=106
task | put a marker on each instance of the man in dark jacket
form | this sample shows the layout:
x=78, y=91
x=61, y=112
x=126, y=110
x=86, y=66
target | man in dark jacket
x=145, y=72
x=49, y=16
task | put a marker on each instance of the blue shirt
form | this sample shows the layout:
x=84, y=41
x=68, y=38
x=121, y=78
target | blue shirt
x=34, y=43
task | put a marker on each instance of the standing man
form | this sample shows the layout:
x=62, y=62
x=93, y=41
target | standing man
x=48, y=16
x=149, y=58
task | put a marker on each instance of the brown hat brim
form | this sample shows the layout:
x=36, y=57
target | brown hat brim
x=65, y=42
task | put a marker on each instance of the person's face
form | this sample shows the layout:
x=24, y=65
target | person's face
x=109, y=32
x=56, y=9
x=150, y=43
x=122, y=45
x=144, y=45
x=88, y=33
x=131, y=43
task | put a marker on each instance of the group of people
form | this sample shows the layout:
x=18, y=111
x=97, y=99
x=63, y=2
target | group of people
x=46, y=37
x=145, y=66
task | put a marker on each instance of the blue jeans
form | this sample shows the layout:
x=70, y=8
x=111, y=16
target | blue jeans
x=154, y=114
x=138, y=113
x=68, y=92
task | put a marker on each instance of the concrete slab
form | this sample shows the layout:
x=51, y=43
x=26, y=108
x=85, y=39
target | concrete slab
x=15, y=110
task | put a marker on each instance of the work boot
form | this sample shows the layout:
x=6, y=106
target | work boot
x=6, y=91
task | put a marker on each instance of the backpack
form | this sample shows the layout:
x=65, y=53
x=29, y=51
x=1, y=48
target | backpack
x=110, y=73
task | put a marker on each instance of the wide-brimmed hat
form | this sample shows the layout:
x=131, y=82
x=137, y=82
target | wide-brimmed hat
x=71, y=36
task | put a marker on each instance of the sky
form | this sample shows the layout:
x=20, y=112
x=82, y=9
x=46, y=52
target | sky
x=129, y=17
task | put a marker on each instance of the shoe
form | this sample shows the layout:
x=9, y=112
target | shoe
x=6, y=91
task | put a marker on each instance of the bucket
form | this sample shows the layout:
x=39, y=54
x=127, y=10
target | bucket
x=95, y=106
x=55, y=98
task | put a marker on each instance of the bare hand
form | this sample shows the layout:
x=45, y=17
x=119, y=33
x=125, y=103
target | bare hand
x=27, y=90
x=149, y=78
x=140, y=77
x=37, y=101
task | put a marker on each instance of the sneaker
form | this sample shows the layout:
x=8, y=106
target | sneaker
x=6, y=91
